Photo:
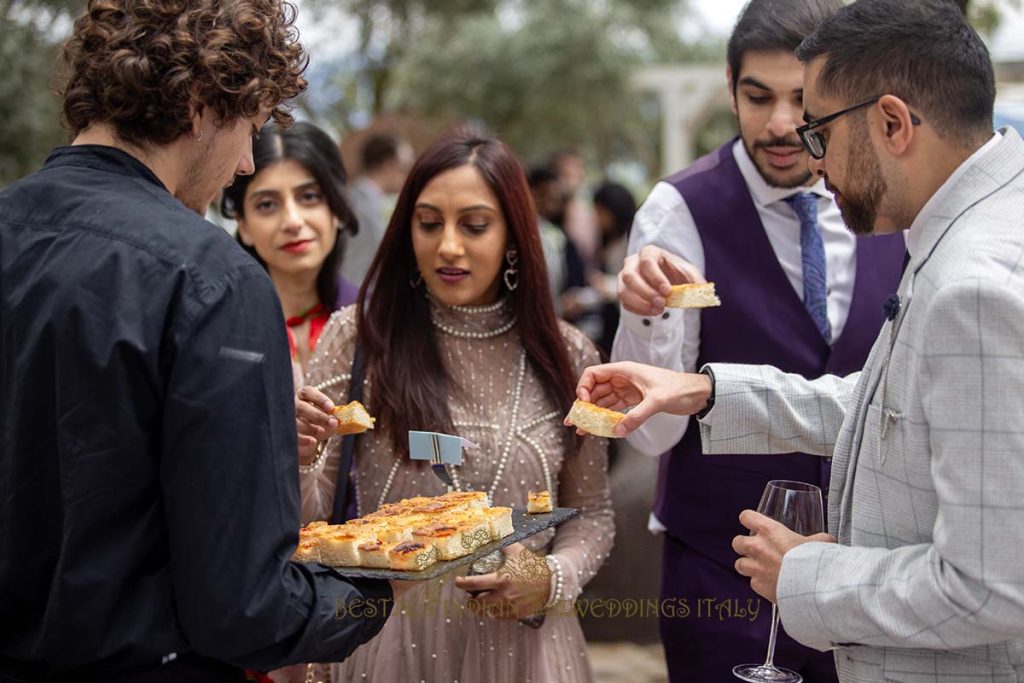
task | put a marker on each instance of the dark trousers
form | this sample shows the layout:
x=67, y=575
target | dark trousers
x=708, y=623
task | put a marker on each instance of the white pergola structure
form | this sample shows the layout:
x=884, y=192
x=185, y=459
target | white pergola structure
x=688, y=94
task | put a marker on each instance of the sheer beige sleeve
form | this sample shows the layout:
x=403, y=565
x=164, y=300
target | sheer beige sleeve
x=582, y=544
x=329, y=371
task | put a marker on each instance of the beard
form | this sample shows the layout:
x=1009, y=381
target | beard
x=194, y=191
x=784, y=180
x=860, y=207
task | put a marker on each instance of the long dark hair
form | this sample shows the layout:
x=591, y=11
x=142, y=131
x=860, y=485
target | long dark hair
x=411, y=385
x=313, y=148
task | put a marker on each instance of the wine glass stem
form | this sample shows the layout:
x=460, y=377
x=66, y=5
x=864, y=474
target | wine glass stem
x=770, y=659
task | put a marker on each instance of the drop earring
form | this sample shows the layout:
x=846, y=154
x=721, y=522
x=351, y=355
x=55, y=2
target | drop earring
x=417, y=280
x=511, y=275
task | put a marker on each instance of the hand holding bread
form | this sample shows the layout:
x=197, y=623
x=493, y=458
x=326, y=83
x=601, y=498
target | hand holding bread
x=647, y=277
x=643, y=389
x=317, y=419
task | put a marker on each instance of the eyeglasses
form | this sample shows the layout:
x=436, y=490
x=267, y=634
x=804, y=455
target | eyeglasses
x=814, y=141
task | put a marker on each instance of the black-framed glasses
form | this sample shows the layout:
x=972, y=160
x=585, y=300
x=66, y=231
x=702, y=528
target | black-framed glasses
x=814, y=141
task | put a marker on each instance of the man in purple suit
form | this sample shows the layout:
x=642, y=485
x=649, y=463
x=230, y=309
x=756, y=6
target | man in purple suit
x=799, y=292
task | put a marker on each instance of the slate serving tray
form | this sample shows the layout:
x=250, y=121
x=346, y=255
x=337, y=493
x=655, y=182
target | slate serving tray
x=524, y=526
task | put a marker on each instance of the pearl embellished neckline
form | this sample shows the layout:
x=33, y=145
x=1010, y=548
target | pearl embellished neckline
x=487, y=334
x=473, y=322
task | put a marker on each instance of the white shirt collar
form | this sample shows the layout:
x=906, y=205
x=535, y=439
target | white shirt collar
x=914, y=234
x=762, y=193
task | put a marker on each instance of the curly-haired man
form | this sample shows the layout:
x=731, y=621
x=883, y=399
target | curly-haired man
x=149, y=499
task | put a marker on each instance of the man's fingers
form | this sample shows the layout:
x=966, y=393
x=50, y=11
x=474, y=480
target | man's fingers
x=651, y=269
x=680, y=271
x=637, y=296
x=635, y=417
x=743, y=545
x=745, y=566
x=757, y=522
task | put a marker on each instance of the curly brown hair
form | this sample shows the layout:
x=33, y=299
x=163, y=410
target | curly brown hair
x=143, y=65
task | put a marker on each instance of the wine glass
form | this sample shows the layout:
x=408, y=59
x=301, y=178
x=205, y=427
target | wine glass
x=798, y=507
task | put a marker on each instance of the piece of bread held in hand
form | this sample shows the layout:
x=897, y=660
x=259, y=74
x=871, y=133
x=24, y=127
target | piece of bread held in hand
x=594, y=419
x=353, y=418
x=693, y=296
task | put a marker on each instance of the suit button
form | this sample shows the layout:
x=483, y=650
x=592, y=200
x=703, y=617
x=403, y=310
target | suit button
x=647, y=322
x=664, y=316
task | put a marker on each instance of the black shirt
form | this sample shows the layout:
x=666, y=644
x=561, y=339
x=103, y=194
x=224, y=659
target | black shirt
x=149, y=494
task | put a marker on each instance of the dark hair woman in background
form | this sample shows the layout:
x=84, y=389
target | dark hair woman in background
x=291, y=215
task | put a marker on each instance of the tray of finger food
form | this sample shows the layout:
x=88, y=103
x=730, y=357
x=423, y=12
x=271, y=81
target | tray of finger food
x=421, y=538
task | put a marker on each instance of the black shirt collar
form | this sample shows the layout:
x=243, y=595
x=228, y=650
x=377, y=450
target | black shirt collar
x=102, y=158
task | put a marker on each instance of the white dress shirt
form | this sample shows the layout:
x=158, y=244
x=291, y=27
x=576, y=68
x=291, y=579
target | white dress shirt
x=673, y=340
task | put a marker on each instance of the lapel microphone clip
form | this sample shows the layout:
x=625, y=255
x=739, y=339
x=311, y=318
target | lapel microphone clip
x=892, y=307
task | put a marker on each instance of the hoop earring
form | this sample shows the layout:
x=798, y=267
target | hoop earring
x=511, y=275
x=415, y=282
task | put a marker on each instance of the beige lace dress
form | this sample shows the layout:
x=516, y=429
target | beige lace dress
x=502, y=407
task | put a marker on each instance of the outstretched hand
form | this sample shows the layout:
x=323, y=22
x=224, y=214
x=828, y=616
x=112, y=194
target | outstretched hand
x=644, y=389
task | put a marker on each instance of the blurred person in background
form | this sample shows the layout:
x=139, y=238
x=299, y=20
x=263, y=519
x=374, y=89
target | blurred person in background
x=577, y=216
x=150, y=504
x=460, y=337
x=385, y=163
x=798, y=291
x=293, y=218
x=559, y=254
x=614, y=208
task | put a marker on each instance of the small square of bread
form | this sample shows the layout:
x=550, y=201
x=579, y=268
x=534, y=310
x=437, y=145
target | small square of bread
x=308, y=550
x=374, y=554
x=537, y=503
x=445, y=538
x=500, y=520
x=411, y=556
x=353, y=418
x=693, y=296
x=473, y=499
x=340, y=548
x=594, y=419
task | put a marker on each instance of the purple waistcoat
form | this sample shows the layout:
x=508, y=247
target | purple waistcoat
x=762, y=320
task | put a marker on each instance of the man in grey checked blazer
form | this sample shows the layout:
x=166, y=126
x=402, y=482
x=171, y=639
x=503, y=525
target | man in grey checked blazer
x=923, y=577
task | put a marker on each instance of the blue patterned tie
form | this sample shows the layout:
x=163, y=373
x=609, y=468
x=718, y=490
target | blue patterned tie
x=812, y=255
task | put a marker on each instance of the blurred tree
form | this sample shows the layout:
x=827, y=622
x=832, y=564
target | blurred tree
x=30, y=33
x=986, y=15
x=546, y=74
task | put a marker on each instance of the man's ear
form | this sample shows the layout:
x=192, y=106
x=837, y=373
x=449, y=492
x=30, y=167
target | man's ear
x=196, y=111
x=897, y=124
x=732, y=90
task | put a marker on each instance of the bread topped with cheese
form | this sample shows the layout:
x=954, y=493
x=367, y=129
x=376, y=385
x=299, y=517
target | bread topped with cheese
x=353, y=418
x=409, y=535
x=693, y=296
x=539, y=502
x=594, y=419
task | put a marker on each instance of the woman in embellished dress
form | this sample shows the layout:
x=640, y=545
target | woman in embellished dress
x=460, y=337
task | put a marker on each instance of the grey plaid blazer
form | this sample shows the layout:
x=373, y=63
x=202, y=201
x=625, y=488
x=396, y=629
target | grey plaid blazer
x=927, y=490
